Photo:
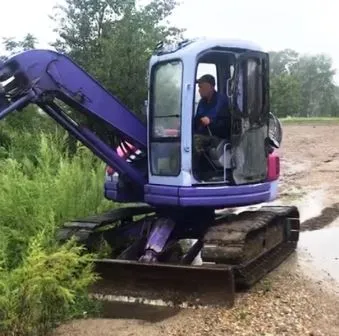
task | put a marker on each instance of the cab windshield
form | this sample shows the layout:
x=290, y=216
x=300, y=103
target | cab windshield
x=166, y=99
x=165, y=118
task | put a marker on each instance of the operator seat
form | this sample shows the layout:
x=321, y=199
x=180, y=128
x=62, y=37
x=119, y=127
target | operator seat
x=220, y=155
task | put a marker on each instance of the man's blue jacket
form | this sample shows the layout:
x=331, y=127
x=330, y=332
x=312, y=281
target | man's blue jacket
x=217, y=109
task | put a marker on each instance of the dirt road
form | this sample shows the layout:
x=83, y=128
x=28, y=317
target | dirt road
x=291, y=300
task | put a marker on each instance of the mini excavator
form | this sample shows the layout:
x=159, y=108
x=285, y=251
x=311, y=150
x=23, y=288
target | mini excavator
x=171, y=211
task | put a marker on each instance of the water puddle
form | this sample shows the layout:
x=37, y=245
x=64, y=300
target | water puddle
x=137, y=311
x=133, y=301
x=318, y=250
x=318, y=255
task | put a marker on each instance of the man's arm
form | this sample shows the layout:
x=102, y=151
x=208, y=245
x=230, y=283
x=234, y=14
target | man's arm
x=198, y=116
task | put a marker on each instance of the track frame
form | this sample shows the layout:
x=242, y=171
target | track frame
x=176, y=281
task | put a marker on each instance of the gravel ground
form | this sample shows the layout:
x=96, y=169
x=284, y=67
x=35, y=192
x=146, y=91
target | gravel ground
x=286, y=302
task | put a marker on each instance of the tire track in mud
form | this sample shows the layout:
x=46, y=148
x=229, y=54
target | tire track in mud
x=316, y=209
x=327, y=216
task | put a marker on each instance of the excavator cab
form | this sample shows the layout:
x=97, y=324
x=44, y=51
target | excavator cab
x=240, y=155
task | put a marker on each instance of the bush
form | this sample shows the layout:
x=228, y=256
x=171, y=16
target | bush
x=42, y=283
x=44, y=195
x=44, y=289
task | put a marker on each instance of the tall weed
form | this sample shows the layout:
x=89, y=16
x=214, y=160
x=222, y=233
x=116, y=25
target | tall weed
x=40, y=188
x=44, y=289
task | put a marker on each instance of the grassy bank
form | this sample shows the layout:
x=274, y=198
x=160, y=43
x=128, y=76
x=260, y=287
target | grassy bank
x=41, y=283
x=309, y=121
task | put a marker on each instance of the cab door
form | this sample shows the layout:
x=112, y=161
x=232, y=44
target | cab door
x=250, y=117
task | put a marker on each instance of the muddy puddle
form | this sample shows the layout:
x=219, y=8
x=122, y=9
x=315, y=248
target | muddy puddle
x=138, y=311
x=317, y=255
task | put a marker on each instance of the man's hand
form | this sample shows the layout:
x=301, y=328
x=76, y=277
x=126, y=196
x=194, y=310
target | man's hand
x=205, y=121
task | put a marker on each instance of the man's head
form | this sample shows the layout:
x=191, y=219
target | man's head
x=206, y=85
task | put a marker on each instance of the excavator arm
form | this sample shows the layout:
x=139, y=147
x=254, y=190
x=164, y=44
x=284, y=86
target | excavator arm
x=46, y=78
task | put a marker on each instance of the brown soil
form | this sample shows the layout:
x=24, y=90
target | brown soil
x=310, y=160
x=285, y=302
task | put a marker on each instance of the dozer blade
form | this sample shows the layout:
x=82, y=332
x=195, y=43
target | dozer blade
x=164, y=284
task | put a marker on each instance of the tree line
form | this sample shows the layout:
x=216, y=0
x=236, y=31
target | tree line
x=113, y=40
x=303, y=85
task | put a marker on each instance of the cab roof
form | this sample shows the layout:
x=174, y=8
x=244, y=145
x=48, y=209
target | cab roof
x=196, y=46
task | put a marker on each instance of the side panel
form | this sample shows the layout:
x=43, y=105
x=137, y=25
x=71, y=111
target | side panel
x=250, y=118
x=211, y=196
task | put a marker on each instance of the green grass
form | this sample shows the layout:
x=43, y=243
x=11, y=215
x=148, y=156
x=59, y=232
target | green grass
x=41, y=283
x=311, y=120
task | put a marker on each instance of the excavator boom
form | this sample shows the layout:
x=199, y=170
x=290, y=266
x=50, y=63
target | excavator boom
x=45, y=77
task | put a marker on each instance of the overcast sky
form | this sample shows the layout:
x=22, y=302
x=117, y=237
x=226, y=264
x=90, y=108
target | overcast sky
x=303, y=25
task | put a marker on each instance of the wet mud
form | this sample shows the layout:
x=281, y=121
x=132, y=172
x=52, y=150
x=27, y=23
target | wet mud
x=318, y=256
x=149, y=313
x=327, y=217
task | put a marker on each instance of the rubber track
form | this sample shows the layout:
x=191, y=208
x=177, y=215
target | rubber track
x=84, y=229
x=227, y=243
x=247, y=276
